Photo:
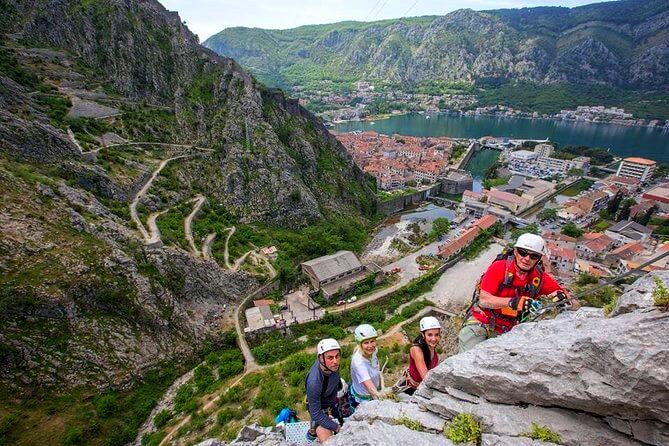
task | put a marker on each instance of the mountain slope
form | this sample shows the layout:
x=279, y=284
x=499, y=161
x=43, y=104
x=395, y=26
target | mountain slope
x=623, y=44
x=85, y=298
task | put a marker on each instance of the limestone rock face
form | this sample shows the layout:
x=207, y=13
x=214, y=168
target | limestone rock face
x=639, y=295
x=604, y=366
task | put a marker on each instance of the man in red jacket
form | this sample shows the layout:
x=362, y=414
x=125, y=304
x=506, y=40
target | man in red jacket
x=507, y=289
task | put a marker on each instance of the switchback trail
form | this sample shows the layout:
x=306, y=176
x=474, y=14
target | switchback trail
x=188, y=224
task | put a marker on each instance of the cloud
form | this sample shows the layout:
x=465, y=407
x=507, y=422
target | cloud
x=207, y=17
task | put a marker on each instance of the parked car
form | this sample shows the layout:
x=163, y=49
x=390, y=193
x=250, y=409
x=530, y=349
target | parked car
x=396, y=270
x=423, y=267
x=341, y=302
x=352, y=299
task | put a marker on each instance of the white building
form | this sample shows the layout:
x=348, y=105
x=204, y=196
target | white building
x=522, y=156
x=639, y=168
x=544, y=149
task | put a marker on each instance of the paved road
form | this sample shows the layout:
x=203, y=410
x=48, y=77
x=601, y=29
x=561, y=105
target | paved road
x=409, y=272
x=188, y=224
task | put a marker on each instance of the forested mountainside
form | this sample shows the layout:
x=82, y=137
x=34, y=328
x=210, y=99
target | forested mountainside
x=621, y=44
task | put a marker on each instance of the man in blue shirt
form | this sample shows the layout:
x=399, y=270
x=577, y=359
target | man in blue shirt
x=322, y=384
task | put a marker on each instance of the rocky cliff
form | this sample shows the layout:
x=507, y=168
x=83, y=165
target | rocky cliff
x=581, y=379
x=98, y=99
x=621, y=44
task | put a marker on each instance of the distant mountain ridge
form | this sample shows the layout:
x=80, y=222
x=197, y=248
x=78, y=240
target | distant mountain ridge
x=620, y=44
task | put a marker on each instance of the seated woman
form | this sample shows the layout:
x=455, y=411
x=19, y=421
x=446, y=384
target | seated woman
x=423, y=353
x=365, y=374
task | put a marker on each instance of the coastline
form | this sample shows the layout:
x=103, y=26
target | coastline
x=630, y=123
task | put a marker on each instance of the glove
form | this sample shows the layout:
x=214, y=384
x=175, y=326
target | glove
x=520, y=303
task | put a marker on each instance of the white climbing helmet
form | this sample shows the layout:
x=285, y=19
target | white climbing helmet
x=326, y=345
x=532, y=242
x=364, y=332
x=429, y=322
x=343, y=388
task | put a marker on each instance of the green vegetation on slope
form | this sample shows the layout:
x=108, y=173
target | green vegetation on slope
x=550, y=99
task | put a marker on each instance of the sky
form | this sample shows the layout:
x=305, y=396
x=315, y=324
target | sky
x=207, y=17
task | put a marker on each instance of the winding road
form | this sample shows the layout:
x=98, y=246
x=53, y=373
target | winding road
x=188, y=224
x=206, y=246
x=154, y=231
x=133, y=204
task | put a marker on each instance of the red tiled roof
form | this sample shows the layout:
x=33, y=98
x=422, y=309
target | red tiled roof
x=486, y=221
x=629, y=248
x=637, y=160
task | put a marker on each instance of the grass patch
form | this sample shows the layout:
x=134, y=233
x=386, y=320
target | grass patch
x=463, y=428
x=577, y=188
x=408, y=422
x=542, y=433
x=660, y=294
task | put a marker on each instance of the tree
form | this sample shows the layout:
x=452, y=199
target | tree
x=575, y=172
x=572, y=230
x=440, y=226
x=625, y=208
x=613, y=205
x=644, y=219
x=661, y=171
x=547, y=214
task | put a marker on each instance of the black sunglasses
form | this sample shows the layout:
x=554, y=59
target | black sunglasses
x=524, y=253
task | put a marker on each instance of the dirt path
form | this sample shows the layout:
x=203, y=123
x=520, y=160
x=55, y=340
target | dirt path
x=133, y=204
x=188, y=224
x=70, y=133
x=231, y=230
x=206, y=246
x=154, y=231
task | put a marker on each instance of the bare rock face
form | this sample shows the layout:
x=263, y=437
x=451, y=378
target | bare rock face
x=605, y=366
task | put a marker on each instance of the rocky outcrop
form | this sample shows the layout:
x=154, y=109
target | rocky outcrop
x=591, y=379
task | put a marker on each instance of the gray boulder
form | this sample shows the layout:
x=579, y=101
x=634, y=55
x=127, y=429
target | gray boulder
x=506, y=420
x=374, y=433
x=640, y=294
x=615, y=367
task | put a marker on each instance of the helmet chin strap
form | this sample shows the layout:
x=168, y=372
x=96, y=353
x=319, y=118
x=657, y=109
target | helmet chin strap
x=322, y=362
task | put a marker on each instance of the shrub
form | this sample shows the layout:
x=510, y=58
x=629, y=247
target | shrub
x=608, y=308
x=542, y=433
x=228, y=369
x=183, y=398
x=224, y=416
x=153, y=438
x=106, y=405
x=203, y=377
x=660, y=294
x=463, y=428
x=162, y=418
x=73, y=435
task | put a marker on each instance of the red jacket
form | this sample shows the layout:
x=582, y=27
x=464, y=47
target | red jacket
x=492, y=282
